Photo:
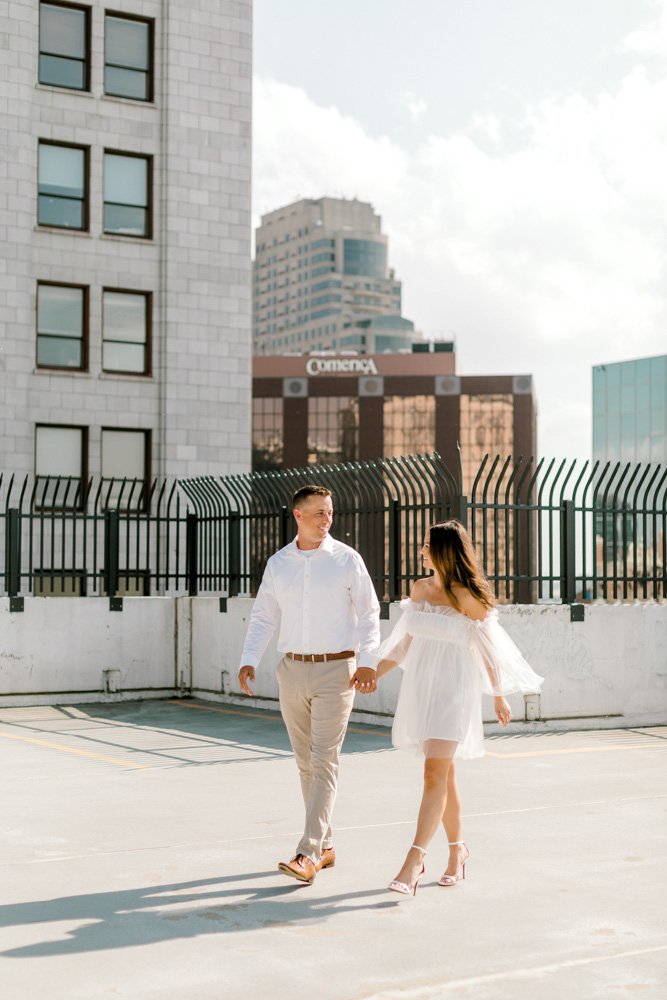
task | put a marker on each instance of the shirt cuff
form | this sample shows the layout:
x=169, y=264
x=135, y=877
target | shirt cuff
x=250, y=661
x=367, y=660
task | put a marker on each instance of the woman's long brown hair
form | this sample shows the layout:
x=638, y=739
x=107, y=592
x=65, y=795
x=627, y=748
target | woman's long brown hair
x=453, y=556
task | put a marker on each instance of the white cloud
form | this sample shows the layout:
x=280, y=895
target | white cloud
x=546, y=258
x=651, y=38
x=415, y=106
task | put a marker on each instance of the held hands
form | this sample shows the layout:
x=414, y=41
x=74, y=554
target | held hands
x=503, y=711
x=246, y=675
x=364, y=680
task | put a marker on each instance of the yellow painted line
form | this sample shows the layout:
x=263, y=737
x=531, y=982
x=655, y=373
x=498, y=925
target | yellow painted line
x=224, y=711
x=265, y=715
x=554, y=753
x=73, y=750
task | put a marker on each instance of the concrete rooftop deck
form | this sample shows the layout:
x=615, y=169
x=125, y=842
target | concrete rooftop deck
x=140, y=842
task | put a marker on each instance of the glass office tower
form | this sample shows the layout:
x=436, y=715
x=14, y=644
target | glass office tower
x=630, y=411
x=630, y=443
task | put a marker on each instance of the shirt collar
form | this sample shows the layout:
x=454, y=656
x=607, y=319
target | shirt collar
x=327, y=545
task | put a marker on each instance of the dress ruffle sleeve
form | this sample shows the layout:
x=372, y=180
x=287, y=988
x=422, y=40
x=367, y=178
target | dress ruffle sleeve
x=505, y=671
x=397, y=643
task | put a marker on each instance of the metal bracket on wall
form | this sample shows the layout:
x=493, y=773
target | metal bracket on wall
x=16, y=604
x=115, y=604
x=223, y=605
x=577, y=612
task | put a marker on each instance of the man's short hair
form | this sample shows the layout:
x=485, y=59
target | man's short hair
x=304, y=492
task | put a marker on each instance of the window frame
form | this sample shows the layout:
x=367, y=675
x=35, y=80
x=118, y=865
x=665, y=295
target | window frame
x=148, y=343
x=85, y=227
x=150, y=21
x=148, y=158
x=83, y=490
x=144, y=497
x=87, y=11
x=84, y=333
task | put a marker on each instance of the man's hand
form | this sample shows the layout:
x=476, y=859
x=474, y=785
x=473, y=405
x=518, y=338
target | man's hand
x=246, y=674
x=364, y=680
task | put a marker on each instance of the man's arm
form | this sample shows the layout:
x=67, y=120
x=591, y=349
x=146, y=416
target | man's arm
x=263, y=622
x=367, y=607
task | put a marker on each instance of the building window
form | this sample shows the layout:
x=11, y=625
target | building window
x=125, y=468
x=409, y=425
x=125, y=331
x=63, y=186
x=365, y=257
x=487, y=428
x=333, y=429
x=62, y=321
x=267, y=433
x=60, y=466
x=64, y=46
x=128, y=57
x=127, y=195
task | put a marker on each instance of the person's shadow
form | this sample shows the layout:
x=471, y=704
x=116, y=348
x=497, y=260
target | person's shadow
x=132, y=917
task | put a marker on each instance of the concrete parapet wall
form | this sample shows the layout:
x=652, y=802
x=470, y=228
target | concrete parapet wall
x=67, y=650
x=608, y=670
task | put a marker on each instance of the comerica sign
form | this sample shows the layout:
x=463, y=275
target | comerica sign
x=338, y=366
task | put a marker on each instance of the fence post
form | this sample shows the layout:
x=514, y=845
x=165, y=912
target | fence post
x=568, y=581
x=395, y=553
x=462, y=510
x=192, y=552
x=13, y=552
x=111, y=546
x=234, y=553
x=285, y=517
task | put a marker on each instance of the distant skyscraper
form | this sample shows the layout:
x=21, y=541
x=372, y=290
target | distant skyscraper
x=322, y=281
x=630, y=411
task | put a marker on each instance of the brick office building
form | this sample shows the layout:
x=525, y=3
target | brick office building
x=326, y=408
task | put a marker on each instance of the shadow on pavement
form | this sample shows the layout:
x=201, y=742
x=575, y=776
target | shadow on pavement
x=203, y=721
x=150, y=914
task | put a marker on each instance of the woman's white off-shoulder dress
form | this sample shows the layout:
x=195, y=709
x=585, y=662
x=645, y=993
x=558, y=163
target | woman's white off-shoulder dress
x=449, y=661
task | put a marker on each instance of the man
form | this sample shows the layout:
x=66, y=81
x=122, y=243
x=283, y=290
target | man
x=318, y=590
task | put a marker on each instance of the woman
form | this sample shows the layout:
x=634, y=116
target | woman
x=452, y=649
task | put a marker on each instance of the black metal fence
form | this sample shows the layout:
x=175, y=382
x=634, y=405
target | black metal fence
x=545, y=531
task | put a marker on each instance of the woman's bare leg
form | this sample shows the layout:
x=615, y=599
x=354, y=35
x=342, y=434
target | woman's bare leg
x=431, y=810
x=451, y=820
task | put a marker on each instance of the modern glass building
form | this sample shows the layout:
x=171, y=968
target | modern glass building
x=630, y=437
x=321, y=281
x=630, y=411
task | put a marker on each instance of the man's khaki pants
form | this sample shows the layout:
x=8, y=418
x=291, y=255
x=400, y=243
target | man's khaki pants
x=316, y=701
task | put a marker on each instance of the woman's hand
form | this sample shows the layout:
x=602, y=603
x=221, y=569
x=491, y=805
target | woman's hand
x=503, y=711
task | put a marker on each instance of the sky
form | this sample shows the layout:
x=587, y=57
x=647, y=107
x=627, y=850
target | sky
x=517, y=153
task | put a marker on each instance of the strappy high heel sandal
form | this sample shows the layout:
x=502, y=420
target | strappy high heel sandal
x=409, y=888
x=460, y=868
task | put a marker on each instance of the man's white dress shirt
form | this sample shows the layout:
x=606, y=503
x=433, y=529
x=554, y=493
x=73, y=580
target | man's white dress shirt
x=323, y=600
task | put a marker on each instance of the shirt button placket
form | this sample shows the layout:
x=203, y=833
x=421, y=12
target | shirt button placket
x=306, y=608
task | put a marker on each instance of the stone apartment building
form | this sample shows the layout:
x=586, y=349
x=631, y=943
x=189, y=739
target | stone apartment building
x=125, y=270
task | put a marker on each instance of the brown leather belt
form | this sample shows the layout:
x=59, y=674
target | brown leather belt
x=347, y=654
